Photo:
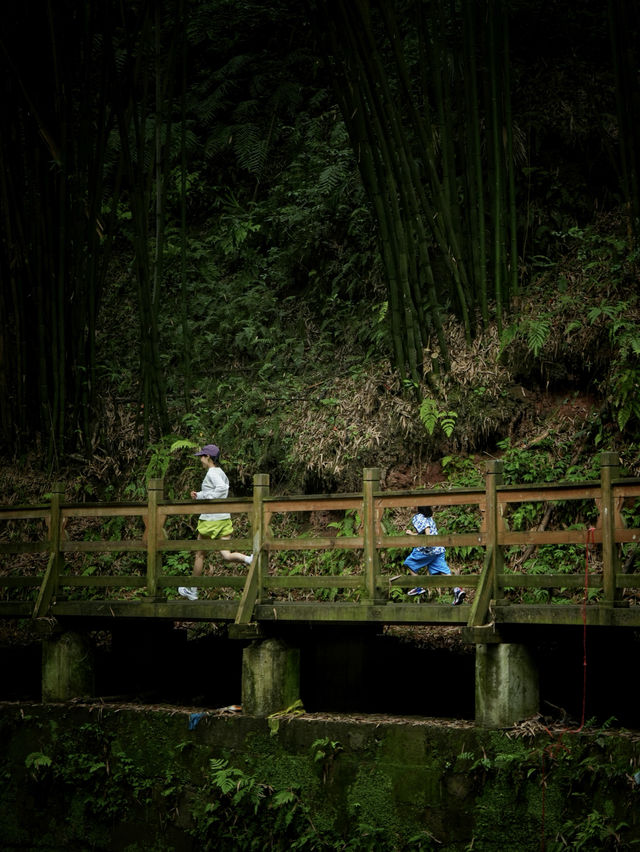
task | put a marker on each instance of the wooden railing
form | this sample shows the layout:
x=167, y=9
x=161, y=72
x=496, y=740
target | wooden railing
x=259, y=593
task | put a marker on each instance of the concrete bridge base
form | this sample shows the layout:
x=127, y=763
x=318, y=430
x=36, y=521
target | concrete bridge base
x=506, y=677
x=507, y=688
x=270, y=677
x=67, y=667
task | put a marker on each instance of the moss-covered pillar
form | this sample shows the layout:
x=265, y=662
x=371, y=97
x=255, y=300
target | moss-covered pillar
x=507, y=689
x=67, y=667
x=270, y=677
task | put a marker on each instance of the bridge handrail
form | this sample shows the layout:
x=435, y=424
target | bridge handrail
x=493, y=534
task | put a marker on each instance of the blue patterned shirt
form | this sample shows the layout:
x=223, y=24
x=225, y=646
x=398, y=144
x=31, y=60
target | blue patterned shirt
x=425, y=525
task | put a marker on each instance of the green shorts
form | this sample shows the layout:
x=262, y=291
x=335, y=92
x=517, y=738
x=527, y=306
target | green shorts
x=215, y=529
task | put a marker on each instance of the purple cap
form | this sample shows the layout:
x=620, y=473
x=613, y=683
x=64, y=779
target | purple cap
x=209, y=450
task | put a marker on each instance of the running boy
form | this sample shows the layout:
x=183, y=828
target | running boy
x=431, y=558
x=212, y=524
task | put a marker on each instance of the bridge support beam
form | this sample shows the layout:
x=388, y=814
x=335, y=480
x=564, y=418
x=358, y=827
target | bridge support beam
x=67, y=667
x=270, y=677
x=507, y=688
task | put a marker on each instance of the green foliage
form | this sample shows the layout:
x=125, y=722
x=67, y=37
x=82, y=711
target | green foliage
x=579, y=769
x=240, y=812
x=572, y=788
x=325, y=751
x=178, y=563
x=462, y=472
x=534, y=330
x=431, y=416
x=160, y=457
x=349, y=525
x=548, y=460
x=595, y=831
x=324, y=748
x=593, y=327
x=626, y=398
x=38, y=764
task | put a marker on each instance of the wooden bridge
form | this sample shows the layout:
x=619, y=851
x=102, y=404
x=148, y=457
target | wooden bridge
x=55, y=536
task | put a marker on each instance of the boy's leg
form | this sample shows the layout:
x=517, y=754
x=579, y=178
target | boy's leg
x=414, y=562
x=418, y=589
x=224, y=530
x=191, y=592
x=438, y=565
x=234, y=556
x=198, y=562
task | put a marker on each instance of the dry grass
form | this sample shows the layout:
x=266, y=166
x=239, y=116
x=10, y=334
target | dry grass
x=370, y=420
x=363, y=421
x=474, y=365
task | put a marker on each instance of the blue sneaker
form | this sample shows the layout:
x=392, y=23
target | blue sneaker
x=458, y=596
x=417, y=591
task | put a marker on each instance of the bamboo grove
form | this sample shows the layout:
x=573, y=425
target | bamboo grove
x=75, y=137
x=443, y=193
x=99, y=123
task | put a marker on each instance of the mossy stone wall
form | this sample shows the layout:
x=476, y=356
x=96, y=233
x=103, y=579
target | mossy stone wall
x=92, y=776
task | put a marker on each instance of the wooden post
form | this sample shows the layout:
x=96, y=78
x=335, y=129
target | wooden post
x=492, y=480
x=608, y=472
x=254, y=586
x=488, y=585
x=153, y=532
x=49, y=585
x=371, y=533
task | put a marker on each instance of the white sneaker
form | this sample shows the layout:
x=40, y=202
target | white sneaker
x=249, y=559
x=191, y=593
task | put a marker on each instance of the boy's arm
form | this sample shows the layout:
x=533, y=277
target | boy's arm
x=212, y=487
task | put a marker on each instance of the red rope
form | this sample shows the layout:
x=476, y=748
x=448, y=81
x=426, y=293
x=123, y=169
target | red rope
x=553, y=748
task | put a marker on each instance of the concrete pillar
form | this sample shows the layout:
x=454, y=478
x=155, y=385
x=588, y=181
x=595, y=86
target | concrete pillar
x=67, y=667
x=506, y=685
x=270, y=677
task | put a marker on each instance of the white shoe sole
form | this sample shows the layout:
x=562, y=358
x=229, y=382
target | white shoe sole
x=187, y=593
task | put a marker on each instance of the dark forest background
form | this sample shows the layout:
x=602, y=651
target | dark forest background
x=324, y=235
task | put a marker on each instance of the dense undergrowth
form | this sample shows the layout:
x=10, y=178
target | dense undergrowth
x=565, y=369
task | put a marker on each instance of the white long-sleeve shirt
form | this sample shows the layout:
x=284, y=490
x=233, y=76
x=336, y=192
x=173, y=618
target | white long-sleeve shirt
x=214, y=485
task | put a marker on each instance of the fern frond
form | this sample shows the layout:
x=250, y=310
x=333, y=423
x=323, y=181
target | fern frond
x=429, y=414
x=331, y=177
x=537, y=334
x=250, y=148
x=182, y=445
x=448, y=422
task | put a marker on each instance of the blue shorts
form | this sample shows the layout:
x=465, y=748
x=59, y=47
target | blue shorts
x=434, y=562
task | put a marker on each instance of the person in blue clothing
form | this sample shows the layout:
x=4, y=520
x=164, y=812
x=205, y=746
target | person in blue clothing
x=431, y=558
